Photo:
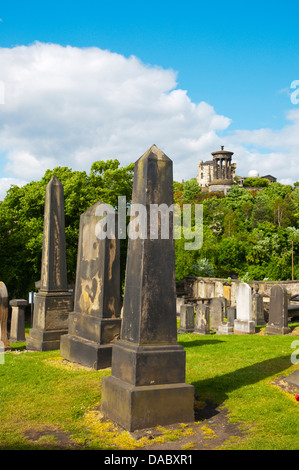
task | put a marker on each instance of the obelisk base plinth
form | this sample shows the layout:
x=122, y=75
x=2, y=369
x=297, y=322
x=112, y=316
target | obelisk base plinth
x=277, y=330
x=243, y=327
x=50, y=320
x=147, y=386
x=89, y=340
x=146, y=406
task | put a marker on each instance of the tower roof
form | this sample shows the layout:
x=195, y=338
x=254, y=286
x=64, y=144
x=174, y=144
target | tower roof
x=222, y=152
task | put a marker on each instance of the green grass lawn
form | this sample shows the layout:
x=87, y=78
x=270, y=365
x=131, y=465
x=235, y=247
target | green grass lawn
x=39, y=391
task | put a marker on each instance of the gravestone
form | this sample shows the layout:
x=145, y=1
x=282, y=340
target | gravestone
x=258, y=307
x=244, y=324
x=53, y=302
x=202, y=319
x=3, y=316
x=217, y=312
x=186, y=319
x=278, y=312
x=231, y=315
x=147, y=383
x=95, y=323
x=17, y=324
x=179, y=301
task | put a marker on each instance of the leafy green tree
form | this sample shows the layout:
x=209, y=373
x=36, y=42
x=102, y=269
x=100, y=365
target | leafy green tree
x=255, y=182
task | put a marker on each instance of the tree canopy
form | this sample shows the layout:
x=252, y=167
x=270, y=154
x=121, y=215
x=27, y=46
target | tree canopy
x=245, y=233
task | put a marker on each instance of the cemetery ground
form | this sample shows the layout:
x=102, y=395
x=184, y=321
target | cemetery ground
x=241, y=399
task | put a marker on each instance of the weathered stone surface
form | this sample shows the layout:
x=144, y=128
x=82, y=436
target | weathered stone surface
x=244, y=323
x=146, y=387
x=17, y=325
x=231, y=315
x=202, y=319
x=293, y=378
x=258, y=307
x=217, y=311
x=278, y=312
x=3, y=315
x=94, y=326
x=53, y=302
x=186, y=319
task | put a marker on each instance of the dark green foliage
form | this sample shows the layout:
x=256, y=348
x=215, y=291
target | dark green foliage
x=245, y=233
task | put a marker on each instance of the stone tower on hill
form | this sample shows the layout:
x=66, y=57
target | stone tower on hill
x=217, y=174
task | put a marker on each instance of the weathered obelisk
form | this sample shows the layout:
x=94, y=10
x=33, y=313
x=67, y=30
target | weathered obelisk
x=3, y=316
x=53, y=302
x=147, y=383
x=95, y=323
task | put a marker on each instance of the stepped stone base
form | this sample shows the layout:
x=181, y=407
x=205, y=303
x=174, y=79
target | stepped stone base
x=146, y=406
x=42, y=340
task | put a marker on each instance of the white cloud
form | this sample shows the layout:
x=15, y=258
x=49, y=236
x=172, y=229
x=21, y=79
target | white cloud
x=66, y=106
x=71, y=106
x=5, y=184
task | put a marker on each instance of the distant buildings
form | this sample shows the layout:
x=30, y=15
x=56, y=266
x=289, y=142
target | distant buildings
x=218, y=174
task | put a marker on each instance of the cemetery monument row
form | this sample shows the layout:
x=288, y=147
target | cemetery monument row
x=53, y=302
x=147, y=383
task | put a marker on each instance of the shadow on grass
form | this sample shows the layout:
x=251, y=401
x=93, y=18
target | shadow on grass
x=216, y=389
x=198, y=342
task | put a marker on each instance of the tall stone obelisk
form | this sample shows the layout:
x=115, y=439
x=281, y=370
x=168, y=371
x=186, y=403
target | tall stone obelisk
x=94, y=326
x=147, y=383
x=53, y=302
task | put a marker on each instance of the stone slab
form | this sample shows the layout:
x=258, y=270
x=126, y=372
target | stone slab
x=293, y=379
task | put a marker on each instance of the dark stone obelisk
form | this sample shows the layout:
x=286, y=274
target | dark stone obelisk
x=53, y=302
x=147, y=383
x=94, y=326
x=3, y=316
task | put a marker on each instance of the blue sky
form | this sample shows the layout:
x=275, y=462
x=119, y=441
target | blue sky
x=239, y=58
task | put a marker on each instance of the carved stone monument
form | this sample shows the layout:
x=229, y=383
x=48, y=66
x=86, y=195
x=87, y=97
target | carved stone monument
x=258, y=307
x=278, y=312
x=53, y=302
x=202, y=319
x=3, y=316
x=95, y=323
x=147, y=383
x=244, y=323
x=217, y=312
x=186, y=319
x=17, y=324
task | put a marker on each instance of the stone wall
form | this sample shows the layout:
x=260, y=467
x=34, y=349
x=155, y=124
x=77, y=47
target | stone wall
x=208, y=287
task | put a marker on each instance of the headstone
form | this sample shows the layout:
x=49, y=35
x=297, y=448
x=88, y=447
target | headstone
x=53, y=302
x=258, y=307
x=94, y=326
x=244, y=323
x=179, y=301
x=3, y=315
x=17, y=324
x=147, y=383
x=231, y=315
x=202, y=319
x=186, y=319
x=217, y=312
x=278, y=312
